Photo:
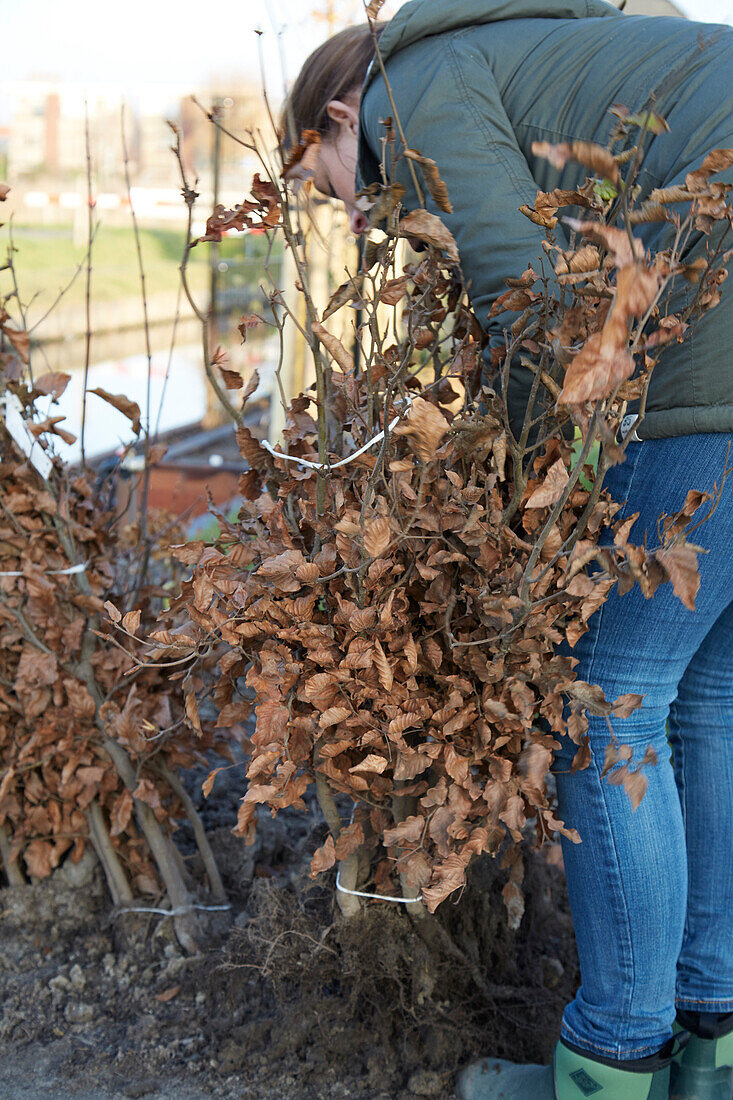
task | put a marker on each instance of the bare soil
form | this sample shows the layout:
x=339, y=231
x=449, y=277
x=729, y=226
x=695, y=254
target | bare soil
x=284, y=999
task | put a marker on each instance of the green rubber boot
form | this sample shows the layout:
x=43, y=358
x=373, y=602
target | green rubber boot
x=703, y=1070
x=572, y=1076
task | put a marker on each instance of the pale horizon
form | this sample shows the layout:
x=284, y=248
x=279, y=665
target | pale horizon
x=168, y=44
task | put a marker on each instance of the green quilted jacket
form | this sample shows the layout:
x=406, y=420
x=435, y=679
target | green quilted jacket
x=476, y=82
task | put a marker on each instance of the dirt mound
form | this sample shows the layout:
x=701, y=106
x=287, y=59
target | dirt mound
x=285, y=1000
x=401, y=1003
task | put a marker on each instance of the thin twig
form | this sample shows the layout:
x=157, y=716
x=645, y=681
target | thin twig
x=143, y=501
x=91, y=233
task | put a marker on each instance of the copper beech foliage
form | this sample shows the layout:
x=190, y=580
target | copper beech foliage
x=83, y=727
x=397, y=619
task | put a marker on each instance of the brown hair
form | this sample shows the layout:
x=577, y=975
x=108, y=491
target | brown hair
x=333, y=71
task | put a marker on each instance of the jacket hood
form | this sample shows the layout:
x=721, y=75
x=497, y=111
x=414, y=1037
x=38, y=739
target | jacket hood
x=421, y=18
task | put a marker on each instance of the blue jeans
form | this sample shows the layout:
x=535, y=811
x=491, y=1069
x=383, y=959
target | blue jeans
x=651, y=890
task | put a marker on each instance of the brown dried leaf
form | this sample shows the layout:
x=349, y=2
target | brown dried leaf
x=534, y=763
x=625, y=705
x=587, y=153
x=188, y=552
x=80, y=701
x=349, y=840
x=335, y=348
x=582, y=260
x=371, y=763
x=232, y=378
x=595, y=371
x=118, y=401
x=131, y=621
x=251, y=449
x=35, y=669
x=346, y=293
x=590, y=696
x=681, y=565
x=386, y=201
x=120, y=813
x=38, y=858
x=281, y=571
x=435, y=184
x=449, y=875
x=377, y=537
x=20, y=340
x=429, y=228
x=384, y=669
x=615, y=241
x=252, y=384
x=51, y=424
x=53, y=382
x=551, y=489
x=408, y=831
x=424, y=426
x=557, y=155
x=147, y=792
x=394, y=291
x=302, y=159
x=333, y=716
x=192, y=713
x=548, y=203
x=208, y=784
x=633, y=782
x=323, y=857
x=513, y=816
x=408, y=766
x=411, y=654
x=718, y=160
x=373, y=8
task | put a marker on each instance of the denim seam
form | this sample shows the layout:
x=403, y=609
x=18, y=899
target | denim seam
x=619, y=876
x=582, y=1041
x=632, y=988
x=705, y=1001
x=680, y=766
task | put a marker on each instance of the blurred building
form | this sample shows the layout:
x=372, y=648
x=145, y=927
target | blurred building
x=46, y=131
x=44, y=147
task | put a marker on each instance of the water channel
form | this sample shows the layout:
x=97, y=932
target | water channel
x=178, y=385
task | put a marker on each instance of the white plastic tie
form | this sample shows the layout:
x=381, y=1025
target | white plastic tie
x=169, y=912
x=377, y=897
x=363, y=893
x=78, y=568
x=342, y=462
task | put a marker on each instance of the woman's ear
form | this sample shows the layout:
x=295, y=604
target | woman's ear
x=345, y=115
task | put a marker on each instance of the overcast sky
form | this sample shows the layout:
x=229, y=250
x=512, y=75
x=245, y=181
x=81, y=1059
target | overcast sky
x=708, y=11
x=139, y=41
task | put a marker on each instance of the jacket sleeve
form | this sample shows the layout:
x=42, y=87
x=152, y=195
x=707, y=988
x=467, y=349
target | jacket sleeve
x=453, y=113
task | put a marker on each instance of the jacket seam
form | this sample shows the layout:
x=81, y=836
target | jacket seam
x=546, y=130
x=723, y=406
x=489, y=141
x=691, y=348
